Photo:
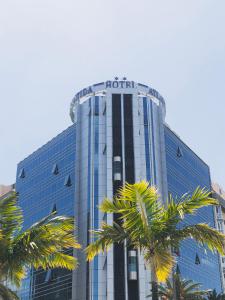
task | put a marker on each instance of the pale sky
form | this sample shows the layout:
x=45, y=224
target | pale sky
x=49, y=50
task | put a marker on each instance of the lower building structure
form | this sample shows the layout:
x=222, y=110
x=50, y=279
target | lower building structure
x=118, y=135
x=45, y=183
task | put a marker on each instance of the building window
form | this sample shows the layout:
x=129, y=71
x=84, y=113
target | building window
x=104, y=149
x=117, y=168
x=178, y=270
x=104, y=109
x=147, y=142
x=55, y=169
x=104, y=218
x=132, y=265
x=220, y=226
x=68, y=181
x=48, y=275
x=96, y=106
x=197, y=259
x=54, y=208
x=22, y=173
x=179, y=152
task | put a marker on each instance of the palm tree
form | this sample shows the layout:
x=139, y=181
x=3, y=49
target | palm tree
x=40, y=246
x=184, y=289
x=214, y=296
x=152, y=227
x=7, y=294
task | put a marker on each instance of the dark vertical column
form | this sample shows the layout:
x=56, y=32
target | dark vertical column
x=119, y=274
x=128, y=139
x=133, y=293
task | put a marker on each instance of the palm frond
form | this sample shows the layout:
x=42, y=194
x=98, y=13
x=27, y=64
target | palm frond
x=141, y=193
x=10, y=216
x=152, y=227
x=189, y=204
x=166, y=290
x=161, y=261
x=176, y=209
x=104, y=238
x=203, y=234
x=171, y=213
x=186, y=289
x=57, y=260
x=16, y=272
x=42, y=245
x=7, y=294
x=109, y=206
x=141, y=211
x=45, y=220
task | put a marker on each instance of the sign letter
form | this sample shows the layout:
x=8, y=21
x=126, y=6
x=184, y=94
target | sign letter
x=108, y=84
x=115, y=84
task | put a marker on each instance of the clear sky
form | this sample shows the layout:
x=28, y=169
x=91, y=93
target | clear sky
x=49, y=50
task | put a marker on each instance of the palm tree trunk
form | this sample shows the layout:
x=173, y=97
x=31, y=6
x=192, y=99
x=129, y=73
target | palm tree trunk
x=155, y=295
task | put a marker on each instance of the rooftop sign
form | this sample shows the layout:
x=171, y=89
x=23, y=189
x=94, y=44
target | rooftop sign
x=117, y=85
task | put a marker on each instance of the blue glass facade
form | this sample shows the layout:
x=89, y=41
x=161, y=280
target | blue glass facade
x=186, y=171
x=48, y=184
x=96, y=187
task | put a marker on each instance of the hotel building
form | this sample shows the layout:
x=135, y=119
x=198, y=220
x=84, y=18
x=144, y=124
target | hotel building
x=118, y=135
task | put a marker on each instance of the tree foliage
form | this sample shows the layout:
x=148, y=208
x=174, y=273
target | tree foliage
x=214, y=296
x=152, y=227
x=184, y=289
x=40, y=246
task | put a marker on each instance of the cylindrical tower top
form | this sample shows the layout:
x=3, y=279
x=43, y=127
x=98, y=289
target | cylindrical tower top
x=115, y=86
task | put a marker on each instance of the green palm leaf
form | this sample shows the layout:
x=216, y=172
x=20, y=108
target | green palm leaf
x=186, y=289
x=43, y=245
x=214, y=296
x=153, y=228
x=10, y=216
x=104, y=238
x=189, y=204
x=161, y=261
x=203, y=234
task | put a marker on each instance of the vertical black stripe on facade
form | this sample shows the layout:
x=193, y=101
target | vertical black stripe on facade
x=133, y=289
x=118, y=260
x=128, y=138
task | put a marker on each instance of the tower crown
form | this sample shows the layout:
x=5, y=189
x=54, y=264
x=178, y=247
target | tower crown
x=115, y=86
